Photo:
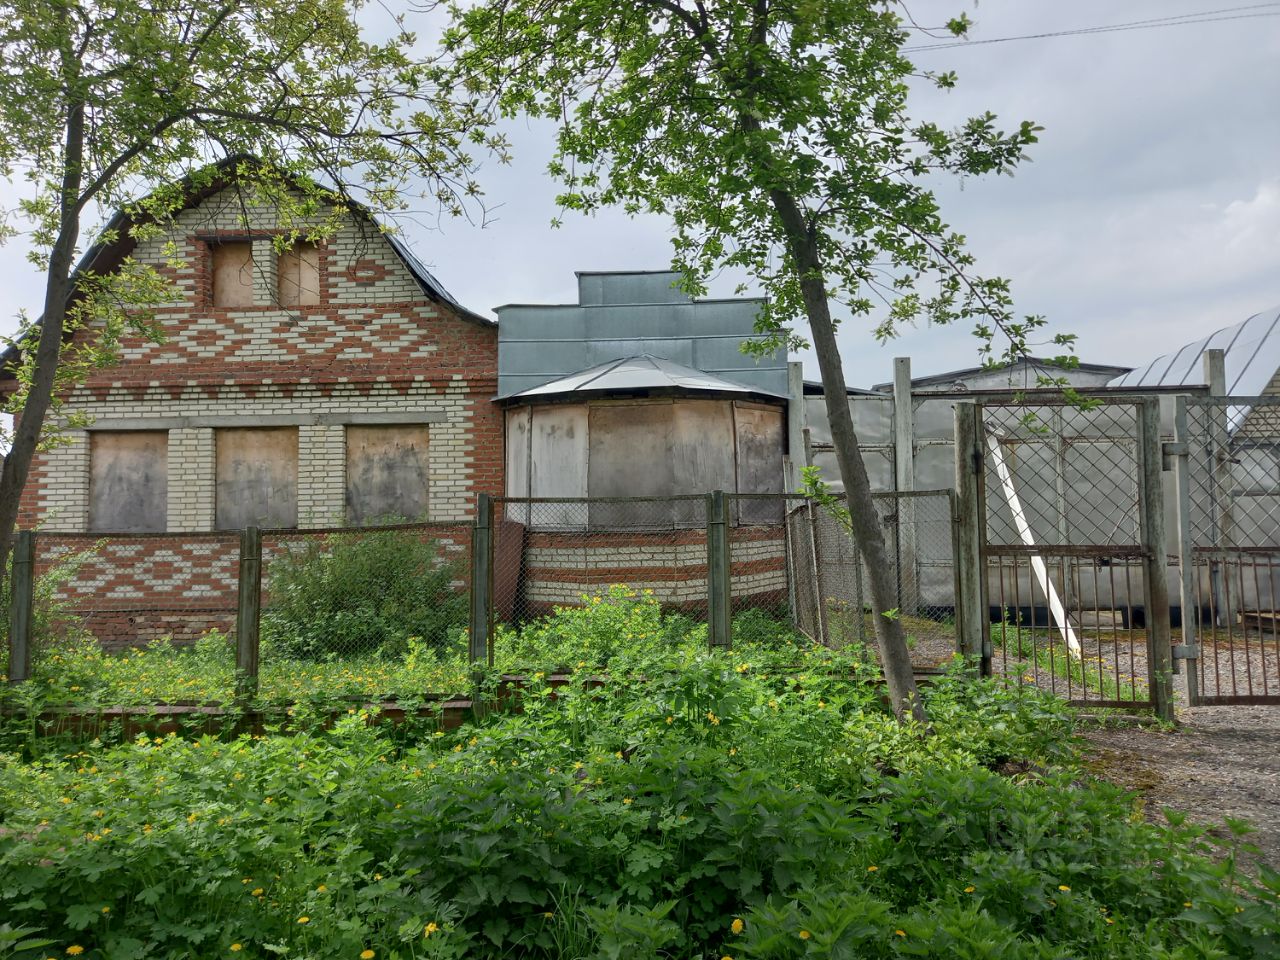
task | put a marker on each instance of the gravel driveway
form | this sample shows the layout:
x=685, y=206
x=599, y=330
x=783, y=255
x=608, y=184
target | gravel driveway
x=1219, y=762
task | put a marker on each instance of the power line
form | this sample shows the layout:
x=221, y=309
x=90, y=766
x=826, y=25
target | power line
x=1204, y=16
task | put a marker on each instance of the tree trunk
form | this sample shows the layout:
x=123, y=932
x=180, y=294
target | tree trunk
x=26, y=434
x=868, y=538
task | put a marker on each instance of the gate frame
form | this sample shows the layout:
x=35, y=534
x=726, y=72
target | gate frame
x=1218, y=432
x=971, y=519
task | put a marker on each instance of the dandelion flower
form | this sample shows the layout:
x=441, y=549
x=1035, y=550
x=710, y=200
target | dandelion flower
x=737, y=925
x=367, y=955
x=804, y=934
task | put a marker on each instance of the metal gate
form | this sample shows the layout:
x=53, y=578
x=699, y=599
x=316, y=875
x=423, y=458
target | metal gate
x=1072, y=548
x=1228, y=521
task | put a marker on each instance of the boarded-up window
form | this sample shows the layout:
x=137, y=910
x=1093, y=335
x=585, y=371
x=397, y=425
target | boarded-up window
x=129, y=481
x=299, y=276
x=257, y=480
x=232, y=268
x=388, y=473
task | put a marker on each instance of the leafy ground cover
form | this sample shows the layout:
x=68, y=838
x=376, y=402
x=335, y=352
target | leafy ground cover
x=753, y=804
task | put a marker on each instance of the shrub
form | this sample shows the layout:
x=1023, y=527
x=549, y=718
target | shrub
x=359, y=593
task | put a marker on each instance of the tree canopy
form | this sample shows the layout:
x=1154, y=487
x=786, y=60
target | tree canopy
x=125, y=104
x=776, y=137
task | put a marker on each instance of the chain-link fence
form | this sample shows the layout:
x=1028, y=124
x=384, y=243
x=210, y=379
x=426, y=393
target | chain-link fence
x=134, y=617
x=1065, y=553
x=1229, y=531
x=373, y=611
x=363, y=612
x=831, y=590
x=392, y=611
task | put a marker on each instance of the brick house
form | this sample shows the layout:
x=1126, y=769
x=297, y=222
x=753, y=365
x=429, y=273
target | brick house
x=333, y=384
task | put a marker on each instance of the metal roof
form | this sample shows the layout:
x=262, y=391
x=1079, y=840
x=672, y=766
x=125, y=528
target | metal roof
x=1252, y=357
x=643, y=372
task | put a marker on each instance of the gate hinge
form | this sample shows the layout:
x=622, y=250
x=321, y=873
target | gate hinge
x=1170, y=449
x=1184, y=651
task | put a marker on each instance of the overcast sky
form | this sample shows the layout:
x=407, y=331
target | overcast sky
x=1149, y=216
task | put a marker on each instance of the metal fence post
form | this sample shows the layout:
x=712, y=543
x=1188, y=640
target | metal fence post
x=718, y=623
x=248, y=612
x=1155, y=548
x=1189, y=650
x=904, y=474
x=478, y=647
x=21, y=600
x=972, y=621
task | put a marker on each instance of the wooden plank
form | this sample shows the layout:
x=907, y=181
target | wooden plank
x=630, y=455
x=232, y=274
x=702, y=454
x=128, y=481
x=971, y=613
x=257, y=477
x=558, y=450
x=388, y=473
x=758, y=438
x=299, y=276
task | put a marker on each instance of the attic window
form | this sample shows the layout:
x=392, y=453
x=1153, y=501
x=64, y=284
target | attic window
x=232, y=268
x=299, y=273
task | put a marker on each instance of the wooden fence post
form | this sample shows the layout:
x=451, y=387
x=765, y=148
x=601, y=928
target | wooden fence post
x=1151, y=503
x=479, y=646
x=718, y=588
x=248, y=612
x=972, y=620
x=21, y=599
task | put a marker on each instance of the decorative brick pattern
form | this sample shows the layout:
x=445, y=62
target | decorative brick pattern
x=376, y=345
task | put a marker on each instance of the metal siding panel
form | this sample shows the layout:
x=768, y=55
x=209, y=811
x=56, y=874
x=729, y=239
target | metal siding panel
x=388, y=473
x=129, y=481
x=257, y=477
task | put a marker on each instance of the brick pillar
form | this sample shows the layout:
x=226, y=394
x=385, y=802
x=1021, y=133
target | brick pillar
x=191, y=479
x=322, y=476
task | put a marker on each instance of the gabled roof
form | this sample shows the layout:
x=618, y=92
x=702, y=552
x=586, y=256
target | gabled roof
x=104, y=257
x=643, y=372
x=1252, y=357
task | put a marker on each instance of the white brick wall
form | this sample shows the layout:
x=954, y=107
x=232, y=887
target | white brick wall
x=63, y=496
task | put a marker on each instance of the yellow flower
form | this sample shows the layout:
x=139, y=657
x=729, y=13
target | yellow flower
x=236, y=948
x=1064, y=888
x=969, y=889
x=367, y=955
x=256, y=892
x=321, y=889
x=304, y=919
x=671, y=719
x=1187, y=903
x=429, y=929
x=548, y=914
x=106, y=909
x=75, y=950
x=804, y=934
x=901, y=933
x=626, y=800
x=737, y=925
x=872, y=869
